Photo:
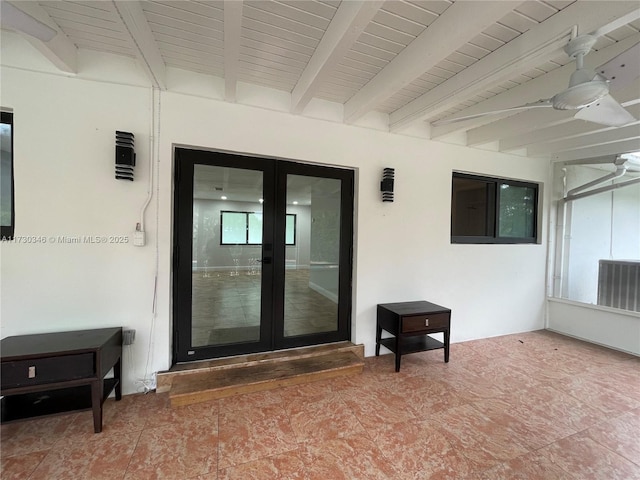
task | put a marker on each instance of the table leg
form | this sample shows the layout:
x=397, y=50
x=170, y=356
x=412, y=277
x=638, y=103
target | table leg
x=446, y=346
x=117, y=374
x=96, y=404
x=378, y=338
x=398, y=354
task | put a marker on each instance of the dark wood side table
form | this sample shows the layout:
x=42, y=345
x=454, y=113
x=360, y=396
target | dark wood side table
x=410, y=323
x=51, y=373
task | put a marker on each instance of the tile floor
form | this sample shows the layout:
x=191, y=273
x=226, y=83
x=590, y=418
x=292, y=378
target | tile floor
x=226, y=307
x=530, y=406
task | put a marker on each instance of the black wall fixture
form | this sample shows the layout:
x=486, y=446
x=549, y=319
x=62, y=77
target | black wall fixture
x=386, y=186
x=125, y=156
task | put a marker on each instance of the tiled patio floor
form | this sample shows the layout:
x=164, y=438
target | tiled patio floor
x=529, y=406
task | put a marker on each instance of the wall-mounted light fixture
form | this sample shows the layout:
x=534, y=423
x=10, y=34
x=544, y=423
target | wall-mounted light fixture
x=125, y=156
x=386, y=186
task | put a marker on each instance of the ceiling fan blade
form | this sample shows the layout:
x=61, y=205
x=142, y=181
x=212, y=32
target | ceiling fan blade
x=13, y=18
x=622, y=70
x=606, y=111
x=619, y=22
x=526, y=106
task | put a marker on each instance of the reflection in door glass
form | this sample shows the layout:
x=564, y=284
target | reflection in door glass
x=226, y=269
x=313, y=259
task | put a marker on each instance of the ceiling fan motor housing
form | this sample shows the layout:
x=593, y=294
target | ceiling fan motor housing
x=580, y=45
x=585, y=88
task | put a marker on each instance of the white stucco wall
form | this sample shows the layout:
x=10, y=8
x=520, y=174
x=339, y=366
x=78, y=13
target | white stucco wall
x=64, y=162
x=614, y=328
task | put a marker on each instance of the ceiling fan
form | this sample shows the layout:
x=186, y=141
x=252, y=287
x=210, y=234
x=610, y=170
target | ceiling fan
x=588, y=90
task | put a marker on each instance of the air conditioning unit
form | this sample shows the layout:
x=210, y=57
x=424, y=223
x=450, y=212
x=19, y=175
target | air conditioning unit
x=619, y=284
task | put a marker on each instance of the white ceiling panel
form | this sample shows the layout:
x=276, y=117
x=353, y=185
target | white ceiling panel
x=195, y=14
x=173, y=43
x=267, y=40
x=339, y=50
x=371, y=37
x=262, y=12
x=278, y=33
x=374, y=52
x=204, y=29
x=320, y=9
x=404, y=15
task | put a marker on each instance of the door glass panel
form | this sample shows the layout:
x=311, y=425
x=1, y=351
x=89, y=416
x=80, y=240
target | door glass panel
x=226, y=269
x=312, y=264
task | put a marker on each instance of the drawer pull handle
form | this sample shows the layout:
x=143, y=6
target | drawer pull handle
x=32, y=372
x=426, y=322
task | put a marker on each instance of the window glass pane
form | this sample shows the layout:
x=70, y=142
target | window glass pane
x=234, y=227
x=290, y=233
x=255, y=228
x=517, y=211
x=492, y=210
x=6, y=174
x=472, y=207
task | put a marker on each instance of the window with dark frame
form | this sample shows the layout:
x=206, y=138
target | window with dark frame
x=493, y=210
x=7, y=208
x=245, y=228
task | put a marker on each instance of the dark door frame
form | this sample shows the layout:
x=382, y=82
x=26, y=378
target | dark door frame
x=273, y=273
x=343, y=332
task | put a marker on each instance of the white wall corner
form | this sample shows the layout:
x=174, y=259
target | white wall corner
x=324, y=110
x=16, y=51
x=417, y=129
x=375, y=120
x=193, y=83
x=108, y=67
x=263, y=97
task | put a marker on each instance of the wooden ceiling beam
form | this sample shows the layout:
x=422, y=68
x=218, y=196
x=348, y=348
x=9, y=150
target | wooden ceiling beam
x=591, y=137
x=455, y=27
x=60, y=51
x=515, y=57
x=232, y=36
x=614, y=148
x=347, y=24
x=544, y=86
x=143, y=41
x=549, y=132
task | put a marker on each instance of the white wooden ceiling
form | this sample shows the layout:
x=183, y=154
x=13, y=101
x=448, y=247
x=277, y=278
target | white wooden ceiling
x=414, y=61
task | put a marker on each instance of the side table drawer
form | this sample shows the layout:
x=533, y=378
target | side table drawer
x=420, y=323
x=37, y=371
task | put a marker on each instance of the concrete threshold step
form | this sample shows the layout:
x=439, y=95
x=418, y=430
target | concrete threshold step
x=213, y=384
x=165, y=379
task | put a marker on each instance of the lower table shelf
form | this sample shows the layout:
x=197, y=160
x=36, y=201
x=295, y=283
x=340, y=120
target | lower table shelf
x=418, y=343
x=51, y=402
